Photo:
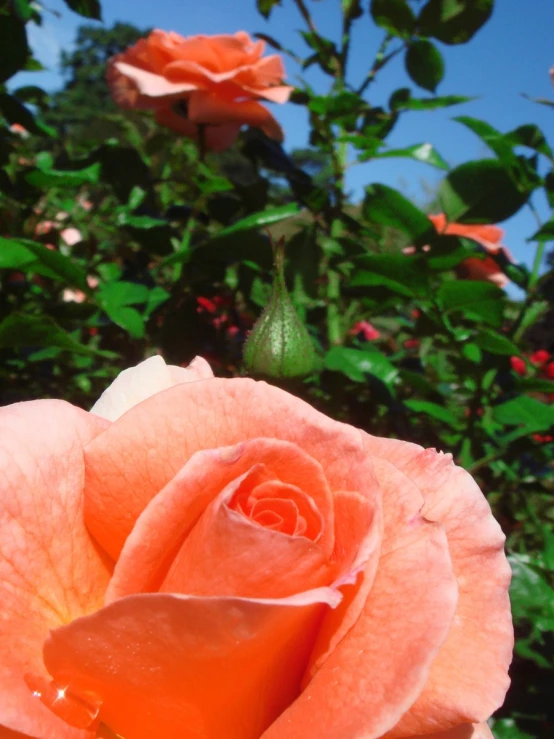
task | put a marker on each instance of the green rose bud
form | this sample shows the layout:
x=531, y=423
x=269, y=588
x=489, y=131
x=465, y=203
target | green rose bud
x=279, y=344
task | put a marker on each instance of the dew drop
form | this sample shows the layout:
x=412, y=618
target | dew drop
x=81, y=711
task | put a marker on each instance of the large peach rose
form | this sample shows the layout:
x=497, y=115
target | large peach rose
x=213, y=558
x=216, y=81
x=489, y=238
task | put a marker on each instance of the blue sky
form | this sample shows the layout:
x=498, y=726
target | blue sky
x=511, y=54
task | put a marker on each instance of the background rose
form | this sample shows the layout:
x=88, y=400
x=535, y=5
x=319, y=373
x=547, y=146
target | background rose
x=216, y=81
x=487, y=236
x=245, y=566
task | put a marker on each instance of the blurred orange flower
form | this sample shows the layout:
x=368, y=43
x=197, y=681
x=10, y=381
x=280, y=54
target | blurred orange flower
x=215, y=81
x=490, y=238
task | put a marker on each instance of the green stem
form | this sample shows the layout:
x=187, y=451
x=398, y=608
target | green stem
x=305, y=13
x=381, y=58
x=519, y=325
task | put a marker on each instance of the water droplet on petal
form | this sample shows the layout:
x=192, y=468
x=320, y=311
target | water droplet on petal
x=80, y=711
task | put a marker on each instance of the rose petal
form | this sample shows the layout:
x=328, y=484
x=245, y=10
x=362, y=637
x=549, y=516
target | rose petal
x=122, y=478
x=227, y=554
x=209, y=108
x=212, y=667
x=50, y=570
x=468, y=680
x=152, y=85
x=172, y=514
x=135, y=384
x=378, y=669
x=358, y=534
x=482, y=269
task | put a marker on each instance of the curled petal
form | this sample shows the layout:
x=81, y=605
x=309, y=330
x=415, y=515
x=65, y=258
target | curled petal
x=214, y=667
x=122, y=479
x=172, y=514
x=209, y=108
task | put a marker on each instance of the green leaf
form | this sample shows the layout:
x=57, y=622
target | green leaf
x=525, y=411
x=472, y=352
x=535, y=385
x=64, y=178
x=448, y=251
x=15, y=112
x=483, y=191
x=499, y=143
x=156, y=297
x=13, y=49
x=403, y=275
x=425, y=153
x=23, y=10
x=33, y=95
x=19, y=330
x=531, y=596
x=127, y=318
x=545, y=232
x=356, y=364
x=496, y=343
x=86, y=8
x=13, y=255
x=261, y=219
x=395, y=16
x=402, y=99
x=433, y=410
x=124, y=218
x=480, y=300
x=506, y=728
x=454, y=21
x=122, y=293
x=424, y=64
x=531, y=136
x=387, y=207
x=61, y=266
x=266, y=6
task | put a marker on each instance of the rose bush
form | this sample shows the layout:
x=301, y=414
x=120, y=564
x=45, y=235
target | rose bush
x=213, y=81
x=202, y=557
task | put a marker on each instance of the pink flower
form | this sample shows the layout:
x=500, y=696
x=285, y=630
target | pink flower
x=71, y=236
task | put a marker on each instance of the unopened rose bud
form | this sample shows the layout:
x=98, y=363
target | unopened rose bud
x=279, y=344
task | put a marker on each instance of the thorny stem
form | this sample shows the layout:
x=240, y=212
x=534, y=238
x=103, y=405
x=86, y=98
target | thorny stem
x=305, y=13
x=381, y=59
x=518, y=327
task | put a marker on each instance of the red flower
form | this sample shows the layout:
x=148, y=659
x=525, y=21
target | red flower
x=411, y=343
x=548, y=370
x=518, y=365
x=368, y=331
x=543, y=438
x=541, y=356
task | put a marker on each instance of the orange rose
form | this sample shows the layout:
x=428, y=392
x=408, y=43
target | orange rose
x=490, y=238
x=215, y=81
x=209, y=558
